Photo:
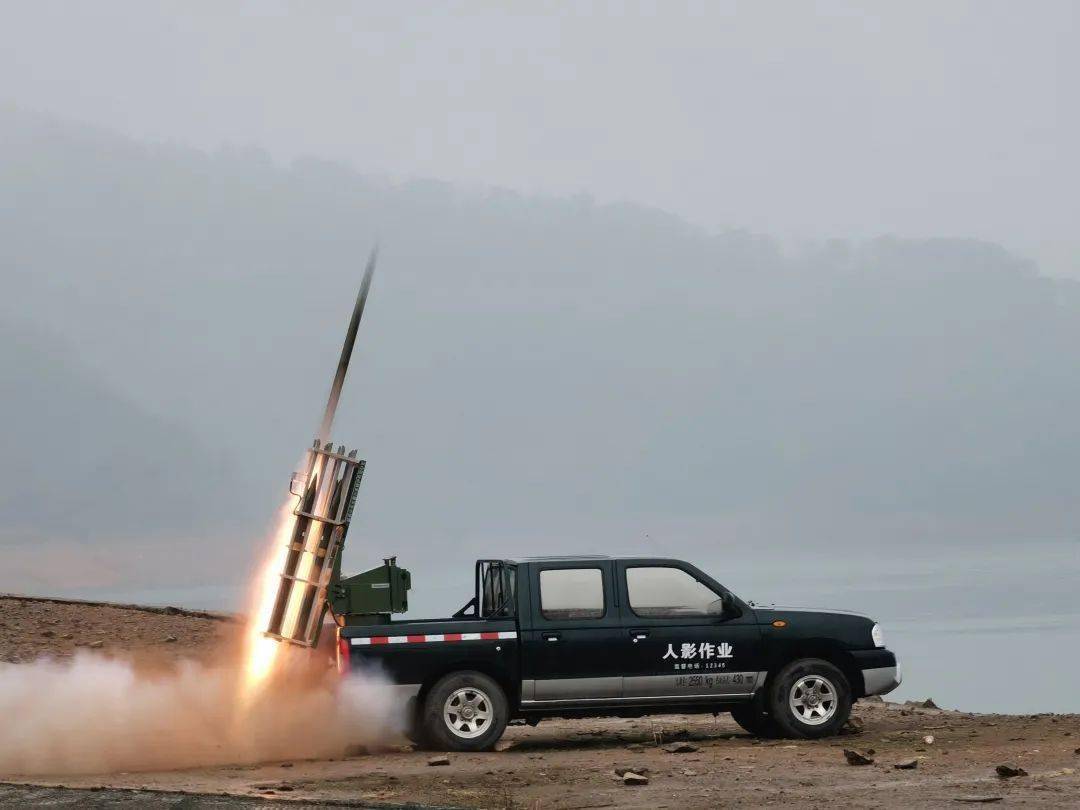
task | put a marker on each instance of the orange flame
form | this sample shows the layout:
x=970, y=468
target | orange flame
x=263, y=652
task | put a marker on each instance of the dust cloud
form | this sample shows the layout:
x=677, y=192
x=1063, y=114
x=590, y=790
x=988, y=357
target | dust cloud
x=94, y=714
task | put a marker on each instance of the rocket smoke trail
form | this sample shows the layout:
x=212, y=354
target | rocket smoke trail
x=346, y=349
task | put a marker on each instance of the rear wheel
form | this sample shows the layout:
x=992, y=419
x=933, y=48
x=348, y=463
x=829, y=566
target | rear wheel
x=414, y=725
x=809, y=698
x=465, y=711
x=755, y=720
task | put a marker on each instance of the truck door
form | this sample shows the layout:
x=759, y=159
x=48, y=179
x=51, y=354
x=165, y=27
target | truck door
x=679, y=643
x=570, y=653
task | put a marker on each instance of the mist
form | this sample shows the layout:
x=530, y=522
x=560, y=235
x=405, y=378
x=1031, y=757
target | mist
x=839, y=119
x=787, y=290
x=532, y=373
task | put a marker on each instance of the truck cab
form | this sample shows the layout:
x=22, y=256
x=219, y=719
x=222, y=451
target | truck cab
x=625, y=636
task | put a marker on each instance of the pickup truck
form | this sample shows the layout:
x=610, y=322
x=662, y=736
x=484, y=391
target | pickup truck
x=601, y=636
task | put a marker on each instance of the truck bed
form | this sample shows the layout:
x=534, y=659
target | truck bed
x=413, y=654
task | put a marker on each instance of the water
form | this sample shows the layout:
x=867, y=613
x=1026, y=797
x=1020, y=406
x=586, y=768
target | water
x=993, y=628
x=987, y=629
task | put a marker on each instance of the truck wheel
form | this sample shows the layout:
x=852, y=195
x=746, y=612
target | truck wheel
x=810, y=698
x=755, y=720
x=414, y=726
x=465, y=711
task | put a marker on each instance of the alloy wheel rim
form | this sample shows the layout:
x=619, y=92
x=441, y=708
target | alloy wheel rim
x=813, y=700
x=468, y=712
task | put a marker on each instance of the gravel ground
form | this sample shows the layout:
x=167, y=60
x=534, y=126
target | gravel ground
x=30, y=628
x=574, y=764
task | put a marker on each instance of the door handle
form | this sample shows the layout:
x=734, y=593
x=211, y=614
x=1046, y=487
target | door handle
x=551, y=636
x=638, y=635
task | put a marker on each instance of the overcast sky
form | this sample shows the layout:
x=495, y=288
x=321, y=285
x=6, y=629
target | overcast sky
x=802, y=120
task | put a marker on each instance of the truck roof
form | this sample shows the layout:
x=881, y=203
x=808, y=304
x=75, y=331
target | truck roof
x=563, y=558
x=590, y=557
x=585, y=558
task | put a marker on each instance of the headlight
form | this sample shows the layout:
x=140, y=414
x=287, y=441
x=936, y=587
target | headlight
x=877, y=636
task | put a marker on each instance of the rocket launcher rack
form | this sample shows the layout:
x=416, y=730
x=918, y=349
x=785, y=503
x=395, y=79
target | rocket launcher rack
x=326, y=493
x=326, y=490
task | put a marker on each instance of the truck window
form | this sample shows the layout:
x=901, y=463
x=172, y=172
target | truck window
x=571, y=593
x=659, y=592
x=497, y=589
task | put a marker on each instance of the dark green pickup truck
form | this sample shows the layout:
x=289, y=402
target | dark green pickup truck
x=591, y=636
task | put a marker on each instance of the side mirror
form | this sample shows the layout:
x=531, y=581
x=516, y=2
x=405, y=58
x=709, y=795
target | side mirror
x=725, y=606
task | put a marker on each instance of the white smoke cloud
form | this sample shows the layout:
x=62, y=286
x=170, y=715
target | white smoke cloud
x=94, y=715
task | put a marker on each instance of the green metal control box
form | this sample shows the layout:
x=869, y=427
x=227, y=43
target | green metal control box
x=371, y=597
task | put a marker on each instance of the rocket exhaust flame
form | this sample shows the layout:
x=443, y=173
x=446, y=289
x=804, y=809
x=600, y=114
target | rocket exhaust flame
x=261, y=652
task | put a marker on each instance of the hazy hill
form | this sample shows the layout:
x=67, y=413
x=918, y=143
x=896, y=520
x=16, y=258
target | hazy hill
x=532, y=370
x=82, y=461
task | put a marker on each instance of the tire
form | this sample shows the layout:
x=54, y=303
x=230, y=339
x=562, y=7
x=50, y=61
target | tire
x=809, y=698
x=414, y=726
x=465, y=711
x=755, y=720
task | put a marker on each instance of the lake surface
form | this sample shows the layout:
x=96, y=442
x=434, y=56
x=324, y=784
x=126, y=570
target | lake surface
x=994, y=628
x=990, y=629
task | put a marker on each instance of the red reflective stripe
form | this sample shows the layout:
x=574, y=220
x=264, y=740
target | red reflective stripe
x=417, y=638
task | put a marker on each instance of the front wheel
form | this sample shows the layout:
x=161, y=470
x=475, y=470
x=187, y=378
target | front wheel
x=754, y=719
x=809, y=698
x=465, y=711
